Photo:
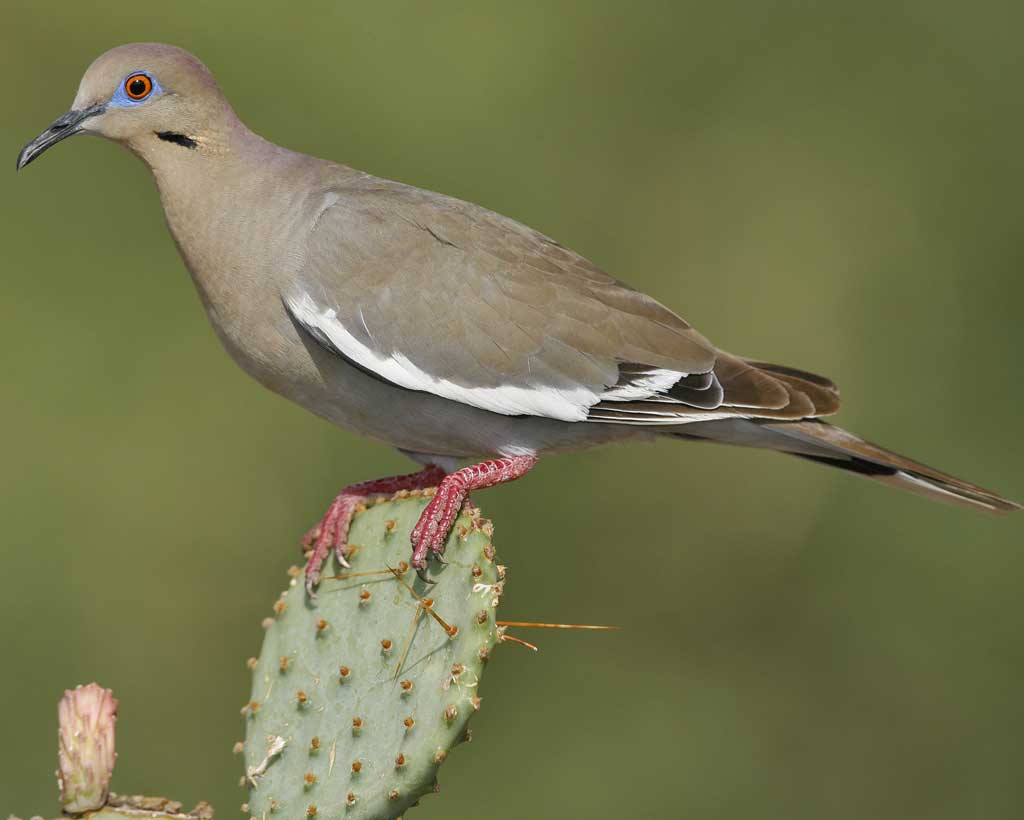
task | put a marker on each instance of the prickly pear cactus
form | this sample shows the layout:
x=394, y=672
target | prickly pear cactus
x=359, y=696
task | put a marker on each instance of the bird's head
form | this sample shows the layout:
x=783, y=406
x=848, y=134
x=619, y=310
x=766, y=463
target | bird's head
x=147, y=96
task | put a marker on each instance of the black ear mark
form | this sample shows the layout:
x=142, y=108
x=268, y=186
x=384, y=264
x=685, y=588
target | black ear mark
x=177, y=139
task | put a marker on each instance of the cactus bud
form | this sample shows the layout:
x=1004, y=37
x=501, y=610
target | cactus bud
x=86, y=747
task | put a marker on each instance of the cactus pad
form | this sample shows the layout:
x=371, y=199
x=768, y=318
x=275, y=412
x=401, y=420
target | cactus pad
x=359, y=695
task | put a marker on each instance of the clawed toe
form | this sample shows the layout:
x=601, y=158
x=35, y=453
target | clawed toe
x=312, y=579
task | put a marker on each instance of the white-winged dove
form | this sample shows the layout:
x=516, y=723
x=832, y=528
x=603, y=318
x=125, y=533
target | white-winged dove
x=432, y=324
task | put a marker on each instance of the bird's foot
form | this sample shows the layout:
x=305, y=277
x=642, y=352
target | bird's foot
x=330, y=534
x=437, y=519
x=332, y=531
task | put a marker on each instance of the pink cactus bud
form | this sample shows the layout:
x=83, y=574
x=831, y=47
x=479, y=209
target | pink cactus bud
x=86, y=747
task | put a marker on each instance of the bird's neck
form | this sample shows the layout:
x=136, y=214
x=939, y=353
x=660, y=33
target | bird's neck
x=198, y=166
x=209, y=184
x=222, y=202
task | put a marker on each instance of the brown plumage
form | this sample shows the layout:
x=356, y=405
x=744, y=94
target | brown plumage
x=433, y=324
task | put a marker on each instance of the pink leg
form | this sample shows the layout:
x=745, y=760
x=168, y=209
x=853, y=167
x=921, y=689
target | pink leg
x=332, y=531
x=431, y=531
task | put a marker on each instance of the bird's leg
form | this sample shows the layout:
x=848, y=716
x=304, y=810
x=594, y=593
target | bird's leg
x=332, y=531
x=436, y=521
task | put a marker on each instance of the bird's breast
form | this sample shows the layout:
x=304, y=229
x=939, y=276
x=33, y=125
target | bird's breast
x=234, y=240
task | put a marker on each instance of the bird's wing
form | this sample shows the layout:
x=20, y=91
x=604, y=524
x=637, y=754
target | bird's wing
x=434, y=294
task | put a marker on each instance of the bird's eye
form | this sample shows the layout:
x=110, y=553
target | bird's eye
x=138, y=86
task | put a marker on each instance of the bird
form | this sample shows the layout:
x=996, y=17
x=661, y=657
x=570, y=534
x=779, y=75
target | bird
x=468, y=341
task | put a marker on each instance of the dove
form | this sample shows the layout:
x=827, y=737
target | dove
x=468, y=341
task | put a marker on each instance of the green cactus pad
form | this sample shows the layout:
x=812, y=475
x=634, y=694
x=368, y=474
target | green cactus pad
x=335, y=728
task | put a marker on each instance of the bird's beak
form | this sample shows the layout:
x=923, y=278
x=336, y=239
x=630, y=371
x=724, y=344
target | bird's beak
x=67, y=125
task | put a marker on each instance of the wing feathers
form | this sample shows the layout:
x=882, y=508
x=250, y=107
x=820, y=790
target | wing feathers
x=567, y=403
x=442, y=296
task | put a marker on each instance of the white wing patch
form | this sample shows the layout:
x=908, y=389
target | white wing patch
x=654, y=381
x=564, y=404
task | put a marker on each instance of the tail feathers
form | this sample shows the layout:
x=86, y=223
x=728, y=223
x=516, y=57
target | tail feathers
x=826, y=444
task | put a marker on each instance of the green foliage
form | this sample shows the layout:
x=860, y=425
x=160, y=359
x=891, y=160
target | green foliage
x=359, y=695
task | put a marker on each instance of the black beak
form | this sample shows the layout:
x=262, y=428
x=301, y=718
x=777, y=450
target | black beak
x=64, y=126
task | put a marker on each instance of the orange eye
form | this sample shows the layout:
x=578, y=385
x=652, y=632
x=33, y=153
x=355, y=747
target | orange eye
x=138, y=86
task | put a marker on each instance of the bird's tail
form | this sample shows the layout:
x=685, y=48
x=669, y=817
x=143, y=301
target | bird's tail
x=822, y=442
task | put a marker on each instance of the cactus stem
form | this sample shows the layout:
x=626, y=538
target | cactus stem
x=356, y=723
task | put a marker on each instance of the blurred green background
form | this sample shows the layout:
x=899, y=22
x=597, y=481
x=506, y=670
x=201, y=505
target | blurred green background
x=831, y=185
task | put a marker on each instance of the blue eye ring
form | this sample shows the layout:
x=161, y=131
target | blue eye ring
x=138, y=87
x=135, y=89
